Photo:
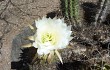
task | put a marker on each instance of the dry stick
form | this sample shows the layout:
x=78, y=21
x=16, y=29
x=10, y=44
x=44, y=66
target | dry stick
x=102, y=60
x=102, y=10
x=106, y=10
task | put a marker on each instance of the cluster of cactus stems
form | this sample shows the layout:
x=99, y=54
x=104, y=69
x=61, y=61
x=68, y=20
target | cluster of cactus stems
x=71, y=9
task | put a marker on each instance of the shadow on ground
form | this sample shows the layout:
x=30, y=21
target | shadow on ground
x=22, y=57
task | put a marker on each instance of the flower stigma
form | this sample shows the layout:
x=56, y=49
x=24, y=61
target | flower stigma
x=48, y=37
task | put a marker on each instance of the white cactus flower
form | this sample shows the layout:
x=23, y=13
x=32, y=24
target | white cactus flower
x=51, y=34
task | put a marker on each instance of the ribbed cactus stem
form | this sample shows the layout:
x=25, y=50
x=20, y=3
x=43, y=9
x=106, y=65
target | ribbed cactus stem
x=71, y=9
x=76, y=9
x=66, y=8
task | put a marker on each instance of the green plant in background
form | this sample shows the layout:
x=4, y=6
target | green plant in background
x=101, y=66
x=70, y=9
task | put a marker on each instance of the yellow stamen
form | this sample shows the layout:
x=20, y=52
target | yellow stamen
x=49, y=37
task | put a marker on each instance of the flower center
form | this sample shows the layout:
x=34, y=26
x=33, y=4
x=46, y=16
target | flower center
x=48, y=37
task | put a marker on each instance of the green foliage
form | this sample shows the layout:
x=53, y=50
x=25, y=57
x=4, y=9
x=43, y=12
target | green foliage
x=70, y=9
x=66, y=8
